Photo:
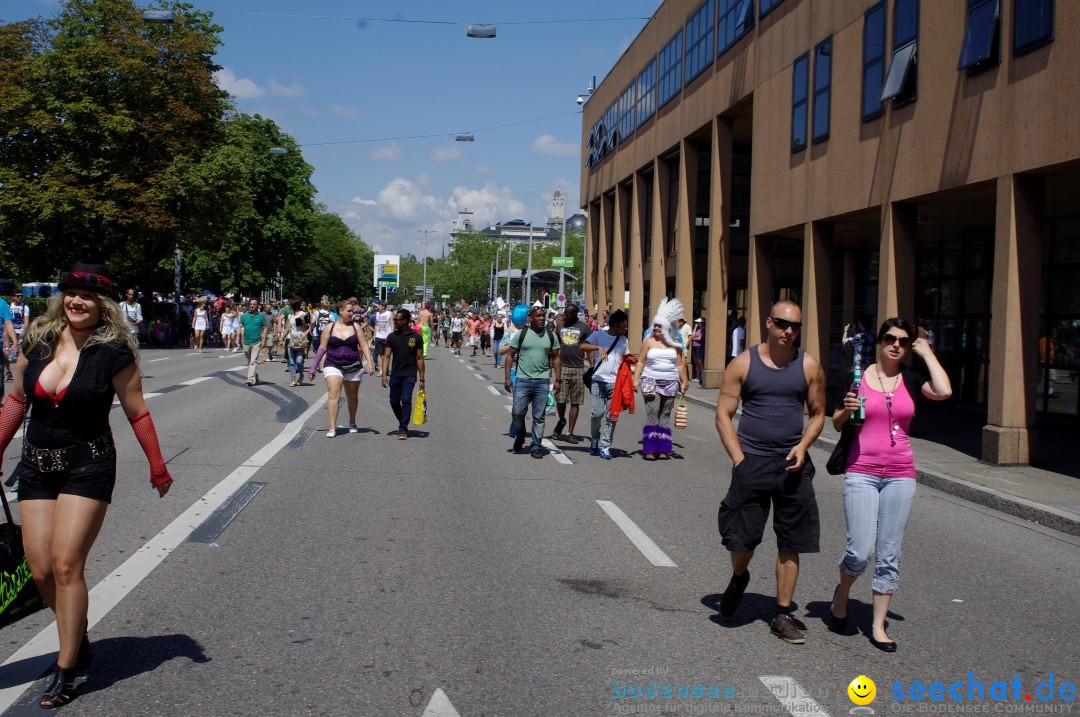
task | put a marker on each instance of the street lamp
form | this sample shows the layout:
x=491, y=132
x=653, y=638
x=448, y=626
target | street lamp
x=158, y=16
x=486, y=32
x=528, y=276
x=278, y=150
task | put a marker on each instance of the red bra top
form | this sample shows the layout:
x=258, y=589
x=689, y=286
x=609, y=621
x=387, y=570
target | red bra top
x=41, y=393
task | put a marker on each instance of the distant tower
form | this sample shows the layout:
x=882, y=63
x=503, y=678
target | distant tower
x=558, y=210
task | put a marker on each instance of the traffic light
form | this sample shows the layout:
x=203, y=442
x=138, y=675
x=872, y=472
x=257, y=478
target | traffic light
x=382, y=293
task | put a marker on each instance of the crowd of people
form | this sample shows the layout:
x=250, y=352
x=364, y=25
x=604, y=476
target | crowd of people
x=68, y=467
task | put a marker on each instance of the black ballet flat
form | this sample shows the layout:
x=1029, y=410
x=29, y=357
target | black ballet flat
x=60, y=690
x=836, y=624
x=889, y=646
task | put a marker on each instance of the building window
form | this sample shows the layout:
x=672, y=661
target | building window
x=873, y=74
x=1033, y=24
x=982, y=36
x=902, y=82
x=626, y=113
x=801, y=76
x=646, y=93
x=699, y=41
x=822, y=89
x=768, y=5
x=670, y=64
x=736, y=19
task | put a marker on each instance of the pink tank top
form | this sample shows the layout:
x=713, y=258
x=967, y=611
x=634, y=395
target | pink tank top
x=882, y=448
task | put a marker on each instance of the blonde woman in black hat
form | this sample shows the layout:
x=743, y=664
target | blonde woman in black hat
x=75, y=358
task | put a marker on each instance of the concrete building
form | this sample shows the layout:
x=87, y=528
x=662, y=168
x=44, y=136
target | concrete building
x=863, y=157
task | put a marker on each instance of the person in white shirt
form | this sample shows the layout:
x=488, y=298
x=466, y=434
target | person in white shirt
x=614, y=343
x=738, y=338
x=383, y=326
x=132, y=311
x=685, y=333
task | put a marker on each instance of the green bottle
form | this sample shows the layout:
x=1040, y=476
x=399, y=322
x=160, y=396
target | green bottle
x=859, y=414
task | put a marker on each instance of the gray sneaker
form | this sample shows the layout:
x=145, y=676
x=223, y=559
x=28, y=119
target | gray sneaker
x=783, y=626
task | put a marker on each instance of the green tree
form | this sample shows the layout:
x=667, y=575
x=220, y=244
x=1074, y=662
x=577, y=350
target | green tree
x=339, y=263
x=272, y=210
x=466, y=271
x=103, y=118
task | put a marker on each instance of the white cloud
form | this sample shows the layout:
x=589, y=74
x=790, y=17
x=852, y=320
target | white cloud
x=240, y=87
x=294, y=90
x=364, y=202
x=547, y=144
x=451, y=153
x=480, y=171
x=389, y=153
x=406, y=201
x=350, y=215
x=488, y=204
x=339, y=111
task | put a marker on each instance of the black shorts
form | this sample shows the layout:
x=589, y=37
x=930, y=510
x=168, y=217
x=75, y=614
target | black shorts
x=485, y=341
x=456, y=337
x=93, y=479
x=380, y=349
x=757, y=482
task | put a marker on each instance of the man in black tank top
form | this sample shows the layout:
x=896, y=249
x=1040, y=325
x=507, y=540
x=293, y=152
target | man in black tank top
x=771, y=466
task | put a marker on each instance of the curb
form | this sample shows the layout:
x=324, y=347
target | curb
x=1039, y=513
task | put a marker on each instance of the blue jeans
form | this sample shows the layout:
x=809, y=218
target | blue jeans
x=495, y=344
x=530, y=391
x=601, y=401
x=876, y=511
x=401, y=399
x=296, y=361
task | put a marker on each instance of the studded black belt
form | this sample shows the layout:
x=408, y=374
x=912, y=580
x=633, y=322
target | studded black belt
x=54, y=460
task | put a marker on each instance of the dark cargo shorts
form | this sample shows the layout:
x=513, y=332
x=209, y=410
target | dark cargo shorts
x=757, y=483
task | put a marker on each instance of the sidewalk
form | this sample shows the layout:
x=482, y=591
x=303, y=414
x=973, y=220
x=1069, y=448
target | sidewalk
x=1044, y=497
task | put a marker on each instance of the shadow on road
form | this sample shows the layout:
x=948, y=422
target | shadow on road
x=119, y=658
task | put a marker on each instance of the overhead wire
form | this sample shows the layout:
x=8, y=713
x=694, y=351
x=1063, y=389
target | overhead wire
x=440, y=134
x=422, y=21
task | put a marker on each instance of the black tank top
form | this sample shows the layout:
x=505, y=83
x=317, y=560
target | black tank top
x=499, y=332
x=772, y=410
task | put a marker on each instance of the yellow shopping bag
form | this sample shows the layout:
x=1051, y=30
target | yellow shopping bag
x=419, y=410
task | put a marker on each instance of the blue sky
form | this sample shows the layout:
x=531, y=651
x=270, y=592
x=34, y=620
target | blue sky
x=331, y=80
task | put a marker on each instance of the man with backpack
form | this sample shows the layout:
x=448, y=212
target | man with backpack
x=321, y=319
x=535, y=351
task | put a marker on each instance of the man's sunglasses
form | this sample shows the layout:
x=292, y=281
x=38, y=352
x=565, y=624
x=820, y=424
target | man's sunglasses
x=890, y=339
x=784, y=324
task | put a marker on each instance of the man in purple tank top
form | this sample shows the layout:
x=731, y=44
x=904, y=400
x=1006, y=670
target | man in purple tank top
x=771, y=466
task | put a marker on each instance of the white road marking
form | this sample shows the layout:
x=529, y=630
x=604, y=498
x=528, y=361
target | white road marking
x=556, y=453
x=494, y=391
x=440, y=706
x=160, y=359
x=192, y=382
x=509, y=407
x=242, y=367
x=795, y=699
x=31, y=660
x=480, y=376
x=461, y=360
x=637, y=536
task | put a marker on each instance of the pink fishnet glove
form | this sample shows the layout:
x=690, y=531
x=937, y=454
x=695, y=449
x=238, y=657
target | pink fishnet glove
x=143, y=426
x=11, y=416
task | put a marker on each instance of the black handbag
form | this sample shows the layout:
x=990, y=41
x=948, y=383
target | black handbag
x=18, y=595
x=837, y=462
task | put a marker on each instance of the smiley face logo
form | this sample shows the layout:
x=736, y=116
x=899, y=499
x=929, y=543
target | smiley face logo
x=862, y=690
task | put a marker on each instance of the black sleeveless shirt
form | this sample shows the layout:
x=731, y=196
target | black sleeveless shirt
x=772, y=410
x=83, y=412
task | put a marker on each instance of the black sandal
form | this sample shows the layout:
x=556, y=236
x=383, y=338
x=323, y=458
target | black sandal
x=60, y=690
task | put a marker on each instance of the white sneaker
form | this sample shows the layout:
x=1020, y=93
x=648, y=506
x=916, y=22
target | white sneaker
x=353, y=428
x=331, y=433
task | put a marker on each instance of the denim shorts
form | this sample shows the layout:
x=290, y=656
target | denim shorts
x=93, y=479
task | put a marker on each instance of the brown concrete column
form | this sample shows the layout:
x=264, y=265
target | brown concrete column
x=603, y=261
x=590, y=259
x=1009, y=436
x=896, y=272
x=618, y=261
x=759, y=289
x=684, y=227
x=719, y=237
x=817, y=289
x=636, y=271
x=658, y=265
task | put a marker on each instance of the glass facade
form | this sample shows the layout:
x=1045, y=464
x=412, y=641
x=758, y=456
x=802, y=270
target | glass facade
x=699, y=41
x=822, y=89
x=646, y=93
x=736, y=19
x=670, y=68
x=800, y=74
x=626, y=113
x=902, y=83
x=873, y=77
x=768, y=5
x=1059, y=328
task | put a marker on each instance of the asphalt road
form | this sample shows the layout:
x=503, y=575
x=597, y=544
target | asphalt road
x=368, y=574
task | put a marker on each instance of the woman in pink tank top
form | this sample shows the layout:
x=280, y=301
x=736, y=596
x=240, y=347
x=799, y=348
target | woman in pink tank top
x=879, y=484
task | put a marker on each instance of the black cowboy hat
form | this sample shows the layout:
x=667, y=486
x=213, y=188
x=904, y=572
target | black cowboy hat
x=93, y=277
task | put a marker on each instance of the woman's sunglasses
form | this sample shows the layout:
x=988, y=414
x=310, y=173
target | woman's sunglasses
x=890, y=339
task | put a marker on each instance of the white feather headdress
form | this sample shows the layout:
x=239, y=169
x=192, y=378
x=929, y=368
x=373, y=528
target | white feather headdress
x=667, y=316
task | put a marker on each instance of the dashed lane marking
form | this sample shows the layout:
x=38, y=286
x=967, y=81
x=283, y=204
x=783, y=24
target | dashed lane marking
x=192, y=382
x=160, y=359
x=556, y=453
x=494, y=391
x=637, y=536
